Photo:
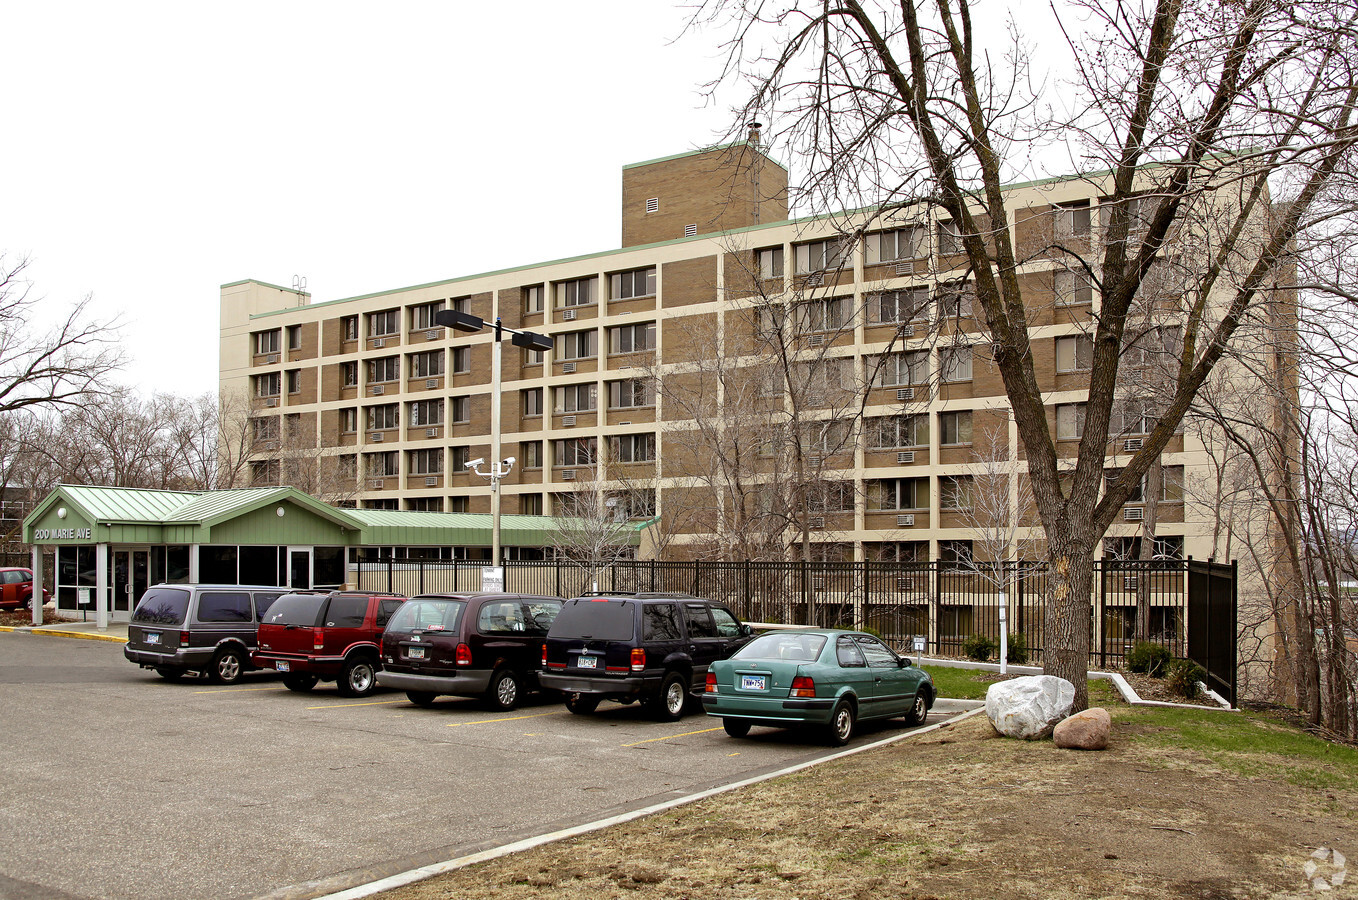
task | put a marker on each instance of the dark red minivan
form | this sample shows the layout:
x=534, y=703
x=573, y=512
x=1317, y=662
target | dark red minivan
x=312, y=636
x=469, y=645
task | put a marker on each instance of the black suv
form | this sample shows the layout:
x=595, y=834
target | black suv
x=650, y=647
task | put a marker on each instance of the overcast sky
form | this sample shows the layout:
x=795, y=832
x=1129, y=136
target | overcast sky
x=154, y=152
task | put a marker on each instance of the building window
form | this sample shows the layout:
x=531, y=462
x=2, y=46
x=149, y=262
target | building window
x=1160, y=346
x=1070, y=421
x=266, y=342
x=425, y=504
x=576, y=452
x=426, y=462
x=577, y=398
x=1138, y=494
x=580, y=292
x=954, y=492
x=631, y=392
x=530, y=504
x=457, y=504
x=1073, y=289
x=1073, y=220
x=819, y=315
x=769, y=262
x=956, y=300
x=294, y=337
x=268, y=385
x=349, y=328
x=910, y=367
x=890, y=494
x=531, y=454
x=264, y=473
x=461, y=409
x=954, y=427
x=294, y=381
x=386, y=369
x=891, y=307
x=955, y=555
x=821, y=256
x=949, y=239
x=1074, y=353
x=422, y=316
x=533, y=357
x=266, y=428
x=892, y=432
x=349, y=374
x=461, y=304
x=381, y=465
x=954, y=364
x=637, y=283
x=631, y=338
x=532, y=298
x=428, y=364
x=532, y=401
x=460, y=457
x=381, y=324
x=384, y=417
x=638, y=503
x=462, y=360
x=426, y=413
x=897, y=244
x=579, y=344
x=348, y=420
x=1172, y=484
x=629, y=448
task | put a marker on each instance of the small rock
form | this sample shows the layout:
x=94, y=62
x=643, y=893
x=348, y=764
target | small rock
x=1087, y=730
x=1028, y=707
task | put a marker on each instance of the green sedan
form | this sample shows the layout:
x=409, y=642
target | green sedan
x=825, y=678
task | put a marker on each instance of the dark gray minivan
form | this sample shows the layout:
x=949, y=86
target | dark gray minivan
x=208, y=628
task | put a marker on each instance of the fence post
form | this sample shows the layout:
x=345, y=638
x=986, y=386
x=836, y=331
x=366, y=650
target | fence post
x=391, y=566
x=558, y=577
x=421, y=576
x=1103, y=614
x=652, y=573
x=936, y=603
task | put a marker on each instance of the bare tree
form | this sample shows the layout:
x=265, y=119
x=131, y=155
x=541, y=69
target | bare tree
x=592, y=529
x=1211, y=130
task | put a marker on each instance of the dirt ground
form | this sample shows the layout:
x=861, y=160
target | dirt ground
x=959, y=812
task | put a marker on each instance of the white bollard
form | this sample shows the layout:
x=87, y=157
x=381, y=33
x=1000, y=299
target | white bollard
x=1004, y=636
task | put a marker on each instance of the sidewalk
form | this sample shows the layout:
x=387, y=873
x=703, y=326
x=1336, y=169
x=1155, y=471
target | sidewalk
x=116, y=631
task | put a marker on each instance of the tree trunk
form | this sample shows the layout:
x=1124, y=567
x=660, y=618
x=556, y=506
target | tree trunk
x=1066, y=625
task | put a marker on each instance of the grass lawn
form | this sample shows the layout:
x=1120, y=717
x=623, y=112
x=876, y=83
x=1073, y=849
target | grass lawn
x=971, y=684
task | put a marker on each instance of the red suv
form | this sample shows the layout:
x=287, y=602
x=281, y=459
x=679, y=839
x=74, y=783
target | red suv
x=313, y=636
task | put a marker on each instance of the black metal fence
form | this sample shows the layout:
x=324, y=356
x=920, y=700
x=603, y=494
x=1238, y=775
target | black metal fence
x=937, y=601
x=1213, y=607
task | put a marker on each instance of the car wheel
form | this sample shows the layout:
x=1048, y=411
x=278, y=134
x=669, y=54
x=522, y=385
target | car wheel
x=504, y=690
x=919, y=710
x=668, y=705
x=171, y=674
x=300, y=683
x=582, y=704
x=736, y=728
x=358, y=677
x=227, y=667
x=421, y=698
x=842, y=721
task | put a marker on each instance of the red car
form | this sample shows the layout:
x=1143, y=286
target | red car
x=16, y=589
x=313, y=636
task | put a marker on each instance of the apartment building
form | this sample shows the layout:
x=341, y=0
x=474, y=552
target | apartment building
x=747, y=380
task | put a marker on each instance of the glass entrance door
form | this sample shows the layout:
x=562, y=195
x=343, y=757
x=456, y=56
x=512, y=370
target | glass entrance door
x=299, y=567
x=130, y=572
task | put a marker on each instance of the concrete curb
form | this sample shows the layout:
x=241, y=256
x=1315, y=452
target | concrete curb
x=426, y=872
x=57, y=632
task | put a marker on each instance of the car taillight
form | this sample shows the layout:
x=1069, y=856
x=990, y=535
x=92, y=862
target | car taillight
x=464, y=655
x=183, y=638
x=638, y=659
x=711, y=682
x=544, y=654
x=803, y=686
x=317, y=640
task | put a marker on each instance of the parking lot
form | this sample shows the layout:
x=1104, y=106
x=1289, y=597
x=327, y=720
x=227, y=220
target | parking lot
x=119, y=784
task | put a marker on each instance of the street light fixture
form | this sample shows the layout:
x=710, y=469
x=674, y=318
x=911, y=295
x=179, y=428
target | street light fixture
x=461, y=321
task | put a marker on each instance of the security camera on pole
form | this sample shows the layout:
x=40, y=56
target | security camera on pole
x=493, y=577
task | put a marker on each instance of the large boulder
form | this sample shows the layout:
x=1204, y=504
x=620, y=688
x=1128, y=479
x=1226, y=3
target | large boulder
x=1029, y=707
x=1086, y=730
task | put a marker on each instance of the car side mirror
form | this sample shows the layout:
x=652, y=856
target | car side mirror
x=905, y=662
x=746, y=630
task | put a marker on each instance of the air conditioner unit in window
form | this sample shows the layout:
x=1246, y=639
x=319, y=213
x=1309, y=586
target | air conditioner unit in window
x=905, y=268
x=1131, y=445
x=379, y=342
x=1133, y=514
x=272, y=401
x=815, y=522
x=905, y=457
x=271, y=358
x=625, y=423
x=270, y=445
x=431, y=482
x=376, y=484
x=431, y=432
x=567, y=474
x=379, y=389
x=814, y=460
x=816, y=340
x=431, y=335
x=377, y=437
x=905, y=394
x=568, y=368
x=906, y=521
x=815, y=279
x=568, y=315
x=567, y=421
x=1129, y=582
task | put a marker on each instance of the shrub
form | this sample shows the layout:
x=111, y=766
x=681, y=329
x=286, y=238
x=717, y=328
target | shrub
x=978, y=647
x=1018, y=648
x=1183, y=677
x=1152, y=659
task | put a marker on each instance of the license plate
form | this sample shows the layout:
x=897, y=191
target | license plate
x=415, y=653
x=152, y=637
x=754, y=683
x=282, y=666
x=588, y=662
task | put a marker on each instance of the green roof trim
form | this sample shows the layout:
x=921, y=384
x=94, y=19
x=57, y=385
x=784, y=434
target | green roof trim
x=700, y=152
x=267, y=285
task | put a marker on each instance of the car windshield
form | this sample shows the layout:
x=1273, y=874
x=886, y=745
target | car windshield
x=296, y=609
x=782, y=645
x=162, y=606
x=594, y=619
x=425, y=613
